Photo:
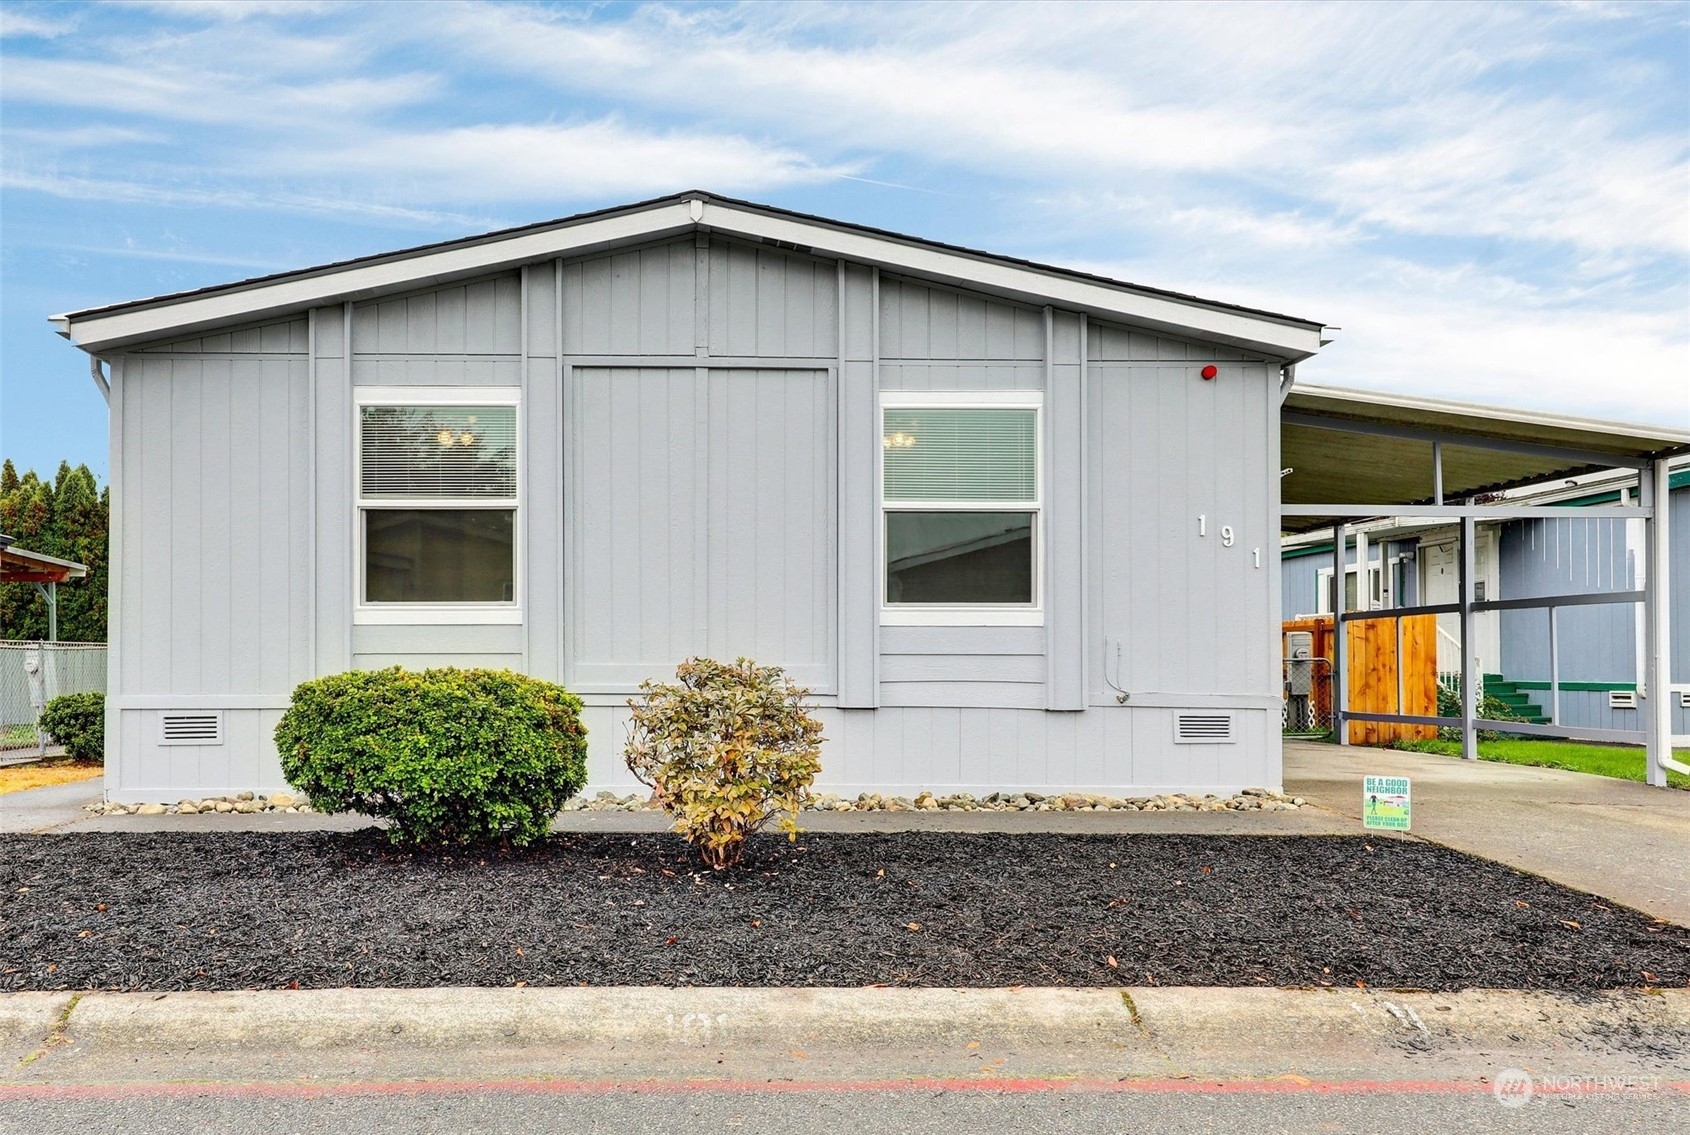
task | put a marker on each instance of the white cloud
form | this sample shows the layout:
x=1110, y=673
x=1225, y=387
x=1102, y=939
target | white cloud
x=19, y=23
x=233, y=197
x=1490, y=199
x=1395, y=115
x=225, y=10
x=534, y=162
x=175, y=93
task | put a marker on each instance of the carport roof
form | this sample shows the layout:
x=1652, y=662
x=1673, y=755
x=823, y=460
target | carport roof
x=1362, y=447
x=20, y=566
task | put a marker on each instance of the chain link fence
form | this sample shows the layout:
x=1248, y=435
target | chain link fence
x=33, y=674
x=1307, y=686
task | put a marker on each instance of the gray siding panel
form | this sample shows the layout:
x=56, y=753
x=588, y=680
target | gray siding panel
x=215, y=594
x=1167, y=447
x=638, y=302
x=283, y=337
x=391, y=370
x=1111, y=343
x=770, y=304
x=479, y=318
x=770, y=530
x=962, y=640
x=920, y=321
x=991, y=747
x=859, y=449
x=906, y=375
x=704, y=506
x=503, y=639
x=1064, y=516
x=542, y=456
x=331, y=472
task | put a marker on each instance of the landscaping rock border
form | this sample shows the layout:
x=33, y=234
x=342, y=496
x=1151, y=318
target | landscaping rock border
x=242, y=803
x=1250, y=800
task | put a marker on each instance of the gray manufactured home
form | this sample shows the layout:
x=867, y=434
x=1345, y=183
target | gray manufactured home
x=1016, y=527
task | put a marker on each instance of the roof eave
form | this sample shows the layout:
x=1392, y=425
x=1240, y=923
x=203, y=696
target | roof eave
x=101, y=329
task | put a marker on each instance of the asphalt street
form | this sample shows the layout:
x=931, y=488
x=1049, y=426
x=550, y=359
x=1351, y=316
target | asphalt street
x=1293, y=1111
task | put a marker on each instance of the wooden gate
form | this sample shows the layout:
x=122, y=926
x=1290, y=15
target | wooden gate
x=1378, y=680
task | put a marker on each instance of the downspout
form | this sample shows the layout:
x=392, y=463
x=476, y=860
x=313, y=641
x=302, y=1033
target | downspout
x=1287, y=379
x=101, y=382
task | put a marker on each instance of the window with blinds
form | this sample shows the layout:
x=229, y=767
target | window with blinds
x=961, y=500
x=437, y=452
x=437, y=501
x=961, y=454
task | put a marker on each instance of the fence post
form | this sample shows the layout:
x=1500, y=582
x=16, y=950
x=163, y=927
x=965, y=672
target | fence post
x=1469, y=680
x=1340, y=656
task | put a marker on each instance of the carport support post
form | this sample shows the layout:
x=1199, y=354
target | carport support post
x=50, y=592
x=1469, y=680
x=1654, y=487
x=1340, y=656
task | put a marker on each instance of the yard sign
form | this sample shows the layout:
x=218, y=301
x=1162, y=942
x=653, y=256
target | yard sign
x=1385, y=802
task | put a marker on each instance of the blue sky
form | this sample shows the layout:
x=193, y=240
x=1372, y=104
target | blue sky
x=1491, y=200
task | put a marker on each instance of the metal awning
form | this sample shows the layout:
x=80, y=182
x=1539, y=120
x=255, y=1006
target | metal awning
x=20, y=566
x=1360, y=448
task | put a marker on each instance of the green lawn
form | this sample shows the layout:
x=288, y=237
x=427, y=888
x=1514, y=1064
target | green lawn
x=1622, y=761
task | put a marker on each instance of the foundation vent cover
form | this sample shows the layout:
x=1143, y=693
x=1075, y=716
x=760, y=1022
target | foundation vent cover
x=1192, y=728
x=190, y=727
x=1622, y=699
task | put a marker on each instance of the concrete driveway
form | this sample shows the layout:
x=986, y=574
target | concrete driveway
x=1616, y=838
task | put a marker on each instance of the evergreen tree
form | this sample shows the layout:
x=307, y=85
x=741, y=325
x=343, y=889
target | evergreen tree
x=66, y=517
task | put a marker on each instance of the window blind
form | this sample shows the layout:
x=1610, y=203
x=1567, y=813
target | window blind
x=955, y=454
x=438, y=452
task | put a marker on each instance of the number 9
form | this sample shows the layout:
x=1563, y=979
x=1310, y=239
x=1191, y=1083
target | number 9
x=1226, y=535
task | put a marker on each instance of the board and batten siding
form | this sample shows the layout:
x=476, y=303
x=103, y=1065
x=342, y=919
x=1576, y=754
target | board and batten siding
x=700, y=474
x=702, y=515
x=1175, y=610
x=987, y=749
x=211, y=595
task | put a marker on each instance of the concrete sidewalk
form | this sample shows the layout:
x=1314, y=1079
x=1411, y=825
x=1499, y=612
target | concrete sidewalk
x=1615, y=838
x=47, y=809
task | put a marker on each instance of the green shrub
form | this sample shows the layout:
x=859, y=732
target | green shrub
x=444, y=756
x=78, y=722
x=726, y=750
x=1490, y=707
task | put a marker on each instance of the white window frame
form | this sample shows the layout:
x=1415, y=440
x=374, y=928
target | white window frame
x=1366, y=600
x=965, y=614
x=438, y=614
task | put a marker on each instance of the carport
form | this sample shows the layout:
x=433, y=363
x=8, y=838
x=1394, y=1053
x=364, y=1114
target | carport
x=1353, y=455
x=45, y=572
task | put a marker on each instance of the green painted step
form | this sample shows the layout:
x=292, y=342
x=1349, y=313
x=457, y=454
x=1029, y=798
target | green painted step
x=1520, y=704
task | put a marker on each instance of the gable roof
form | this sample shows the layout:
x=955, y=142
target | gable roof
x=119, y=325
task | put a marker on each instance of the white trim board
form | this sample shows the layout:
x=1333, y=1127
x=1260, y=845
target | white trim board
x=99, y=330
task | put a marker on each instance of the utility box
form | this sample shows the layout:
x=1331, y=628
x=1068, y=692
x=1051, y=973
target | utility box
x=1299, y=663
x=1299, y=681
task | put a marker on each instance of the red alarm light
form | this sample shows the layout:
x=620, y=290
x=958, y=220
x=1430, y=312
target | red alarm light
x=1210, y=371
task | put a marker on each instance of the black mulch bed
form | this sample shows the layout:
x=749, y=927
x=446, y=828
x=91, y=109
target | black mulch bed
x=243, y=911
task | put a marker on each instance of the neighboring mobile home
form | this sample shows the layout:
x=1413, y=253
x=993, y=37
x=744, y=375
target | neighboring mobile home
x=1413, y=561
x=1016, y=527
